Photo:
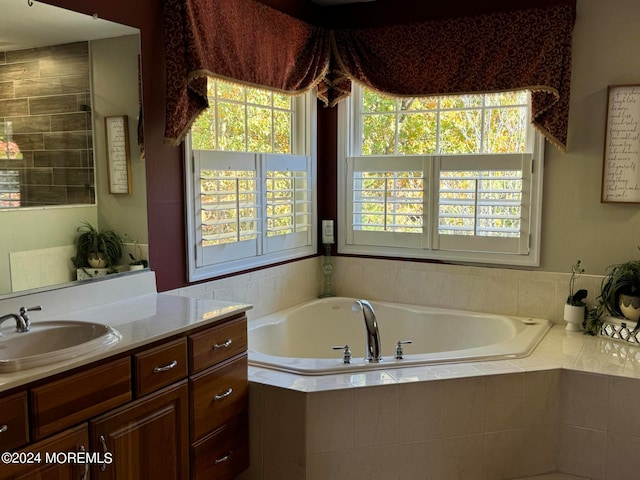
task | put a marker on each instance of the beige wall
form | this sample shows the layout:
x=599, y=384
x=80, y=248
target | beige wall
x=606, y=51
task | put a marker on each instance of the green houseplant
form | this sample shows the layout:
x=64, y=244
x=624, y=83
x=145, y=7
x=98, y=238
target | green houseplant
x=620, y=294
x=574, y=309
x=97, y=248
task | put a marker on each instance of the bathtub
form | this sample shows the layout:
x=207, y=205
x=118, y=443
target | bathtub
x=300, y=339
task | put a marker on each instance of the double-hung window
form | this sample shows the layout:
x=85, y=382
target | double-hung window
x=454, y=178
x=250, y=181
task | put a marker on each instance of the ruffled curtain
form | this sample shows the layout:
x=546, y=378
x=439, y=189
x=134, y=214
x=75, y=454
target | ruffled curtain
x=239, y=40
x=248, y=42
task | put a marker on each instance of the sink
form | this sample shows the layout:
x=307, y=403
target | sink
x=52, y=341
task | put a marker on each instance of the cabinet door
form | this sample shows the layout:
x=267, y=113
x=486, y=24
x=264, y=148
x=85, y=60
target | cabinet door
x=147, y=438
x=42, y=468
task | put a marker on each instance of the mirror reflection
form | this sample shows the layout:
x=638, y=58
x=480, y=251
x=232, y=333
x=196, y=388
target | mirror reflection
x=61, y=74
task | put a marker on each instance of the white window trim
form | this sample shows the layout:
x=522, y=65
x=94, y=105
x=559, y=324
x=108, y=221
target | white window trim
x=305, y=143
x=349, y=138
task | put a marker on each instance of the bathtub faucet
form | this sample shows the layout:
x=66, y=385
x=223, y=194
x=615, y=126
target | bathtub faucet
x=373, y=335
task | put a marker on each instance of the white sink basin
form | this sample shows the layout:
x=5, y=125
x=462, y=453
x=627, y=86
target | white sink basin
x=53, y=341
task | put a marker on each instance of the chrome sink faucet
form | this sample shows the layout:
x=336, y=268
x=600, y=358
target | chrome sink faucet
x=23, y=323
x=374, y=350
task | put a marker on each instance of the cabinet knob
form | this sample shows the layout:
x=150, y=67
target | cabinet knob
x=4, y=428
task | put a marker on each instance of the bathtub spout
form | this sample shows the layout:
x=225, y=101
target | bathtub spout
x=373, y=335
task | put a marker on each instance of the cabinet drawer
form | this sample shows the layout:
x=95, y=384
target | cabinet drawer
x=14, y=421
x=161, y=366
x=65, y=402
x=217, y=344
x=73, y=440
x=218, y=394
x=223, y=454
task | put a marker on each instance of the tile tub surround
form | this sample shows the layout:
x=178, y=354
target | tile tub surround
x=567, y=408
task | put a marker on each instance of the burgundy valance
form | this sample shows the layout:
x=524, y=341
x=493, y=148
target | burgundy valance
x=239, y=40
x=246, y=41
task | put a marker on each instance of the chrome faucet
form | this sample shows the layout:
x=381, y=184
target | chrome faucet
x=23, y=323
x=374, y=351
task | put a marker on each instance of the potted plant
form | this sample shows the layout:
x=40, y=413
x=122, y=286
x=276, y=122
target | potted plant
x=97, y=249
x=574, y=308
x=137, y=262
x=621, y=290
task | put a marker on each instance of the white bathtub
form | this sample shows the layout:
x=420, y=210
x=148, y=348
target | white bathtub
x=300, y=339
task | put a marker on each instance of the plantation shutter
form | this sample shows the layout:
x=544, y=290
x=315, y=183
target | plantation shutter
x=483, y=203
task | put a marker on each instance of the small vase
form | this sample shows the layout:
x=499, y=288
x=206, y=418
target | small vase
x=574, y=316
x=630, y=306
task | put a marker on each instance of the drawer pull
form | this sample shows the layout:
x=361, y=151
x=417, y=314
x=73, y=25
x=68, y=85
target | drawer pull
x=166, y=367
x=226, y=344
x=223, y=459
x=105, y=450
x=4, y=428
x=224, y=395
x=85, y=474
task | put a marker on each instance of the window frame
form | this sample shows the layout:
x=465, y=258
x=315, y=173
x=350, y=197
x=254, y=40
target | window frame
x=349, y=142
x=304, y=144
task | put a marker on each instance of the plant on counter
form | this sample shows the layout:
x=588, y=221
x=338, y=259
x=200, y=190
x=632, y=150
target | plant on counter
x=97, y=249
x=620, y=294
x=574, y=309
x=137, y=258
x=576, y=299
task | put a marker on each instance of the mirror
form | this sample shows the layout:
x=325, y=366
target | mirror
x=61, y=74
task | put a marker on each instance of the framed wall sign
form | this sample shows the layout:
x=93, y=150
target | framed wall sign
x=621, y=163
x=118, y=158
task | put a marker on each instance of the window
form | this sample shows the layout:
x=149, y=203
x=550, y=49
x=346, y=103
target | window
x=451, y=178
x=250, y=180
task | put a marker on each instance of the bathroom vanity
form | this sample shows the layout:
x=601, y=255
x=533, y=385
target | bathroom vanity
x=168, y=400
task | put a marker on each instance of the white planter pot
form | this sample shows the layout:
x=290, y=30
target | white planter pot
x=630, y=307
x=574, y=316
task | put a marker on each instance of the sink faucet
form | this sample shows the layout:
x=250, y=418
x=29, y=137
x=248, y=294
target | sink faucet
x=23, y=323
x=373, y=335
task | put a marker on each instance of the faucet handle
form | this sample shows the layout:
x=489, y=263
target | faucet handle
x=25, y=323
x=399, y=351
x=24, y=310
x=346, y=355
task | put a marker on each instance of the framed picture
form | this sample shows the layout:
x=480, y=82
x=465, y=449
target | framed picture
x=621, y=162
x=118, y=158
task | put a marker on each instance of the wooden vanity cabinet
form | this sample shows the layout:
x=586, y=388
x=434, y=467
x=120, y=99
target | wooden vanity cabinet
x=14, y=421
x=175, y=410
x=71, y=440
x=148, y=438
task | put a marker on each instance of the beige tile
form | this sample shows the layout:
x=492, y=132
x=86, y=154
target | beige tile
x=542, y=398
x=621, y=452
x=541, y=448
x=503, y=453
x=504, y=402
x=330, y=421
x=375, y=416
x=256, y=441
x=376, y=463
x=284, y=433
x=584, y=396
x=536, y=298
x=624, y=416
x=420, y=411
x=462, y=457
x=463, y=406
x=420, y=461
x=330, y=466
x=582, y=452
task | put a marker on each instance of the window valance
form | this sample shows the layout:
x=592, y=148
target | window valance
x=248, y=42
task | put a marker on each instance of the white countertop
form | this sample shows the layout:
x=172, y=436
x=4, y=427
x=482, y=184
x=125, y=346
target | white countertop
x=559, y=349
x=139, y=320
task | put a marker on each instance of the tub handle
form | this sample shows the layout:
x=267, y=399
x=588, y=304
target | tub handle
x=346, y=355
x=399, y=351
